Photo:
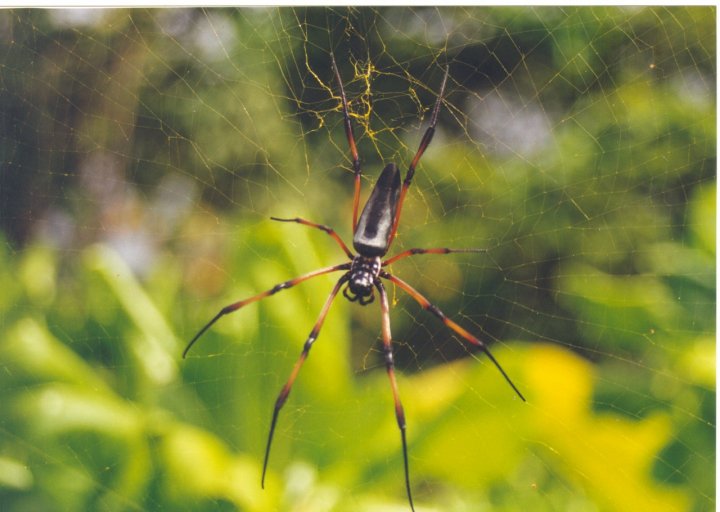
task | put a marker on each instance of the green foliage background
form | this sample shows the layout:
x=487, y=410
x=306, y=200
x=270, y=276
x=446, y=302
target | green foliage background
x=143, y=151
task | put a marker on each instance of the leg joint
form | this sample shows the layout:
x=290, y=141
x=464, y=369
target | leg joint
x=279, y=287
x=309, y=342
x=389, y=359
x=435, y=311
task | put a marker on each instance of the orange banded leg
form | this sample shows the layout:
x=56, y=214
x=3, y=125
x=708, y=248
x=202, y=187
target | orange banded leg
x=424, y=143
x=417, y=250
x=282, y=397
x=390, y=366
x=426, y=305
x=330, y=231
x=351, y=143
x=282, y=286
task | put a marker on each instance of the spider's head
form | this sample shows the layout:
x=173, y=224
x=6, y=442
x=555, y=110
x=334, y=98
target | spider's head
x=360, y=288
x=363, y=273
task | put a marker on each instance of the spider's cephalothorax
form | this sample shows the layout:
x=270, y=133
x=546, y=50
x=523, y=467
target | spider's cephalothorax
x=373, y=233
x=363, y=273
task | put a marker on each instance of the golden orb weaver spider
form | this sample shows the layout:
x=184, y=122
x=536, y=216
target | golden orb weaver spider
x=373, y=234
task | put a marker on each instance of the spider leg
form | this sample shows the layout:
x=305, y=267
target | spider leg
x=351, y=142
x=390, y=366
x=330, y=231
x=452, y=325
x=424, y=143
x=434, y=250
x=282, y=286
x=282, y=397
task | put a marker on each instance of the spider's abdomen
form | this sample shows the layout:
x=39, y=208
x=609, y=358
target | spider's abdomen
x=373, y=229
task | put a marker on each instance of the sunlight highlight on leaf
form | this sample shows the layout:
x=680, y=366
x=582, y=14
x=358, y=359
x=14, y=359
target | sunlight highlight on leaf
x=609, y=456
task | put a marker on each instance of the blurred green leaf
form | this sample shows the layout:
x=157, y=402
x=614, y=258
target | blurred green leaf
x=30, y=351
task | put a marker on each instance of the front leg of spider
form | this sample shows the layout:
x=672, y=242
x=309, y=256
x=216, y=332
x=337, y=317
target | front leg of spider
x=285, y=391
x=390, y=367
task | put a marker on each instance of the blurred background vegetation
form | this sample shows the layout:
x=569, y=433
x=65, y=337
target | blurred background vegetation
x=143, y=152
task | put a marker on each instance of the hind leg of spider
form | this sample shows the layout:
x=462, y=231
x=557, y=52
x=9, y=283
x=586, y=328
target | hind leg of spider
x=428, y=306
x=424, y=143
x=285, y=392
x=327, y=229
x=282, y=286
x=351, y=142
x=390, y=366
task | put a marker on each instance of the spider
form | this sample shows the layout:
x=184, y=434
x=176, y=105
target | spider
x=373, y=233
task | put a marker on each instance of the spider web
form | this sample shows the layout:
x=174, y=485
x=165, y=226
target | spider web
x=143, y=152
